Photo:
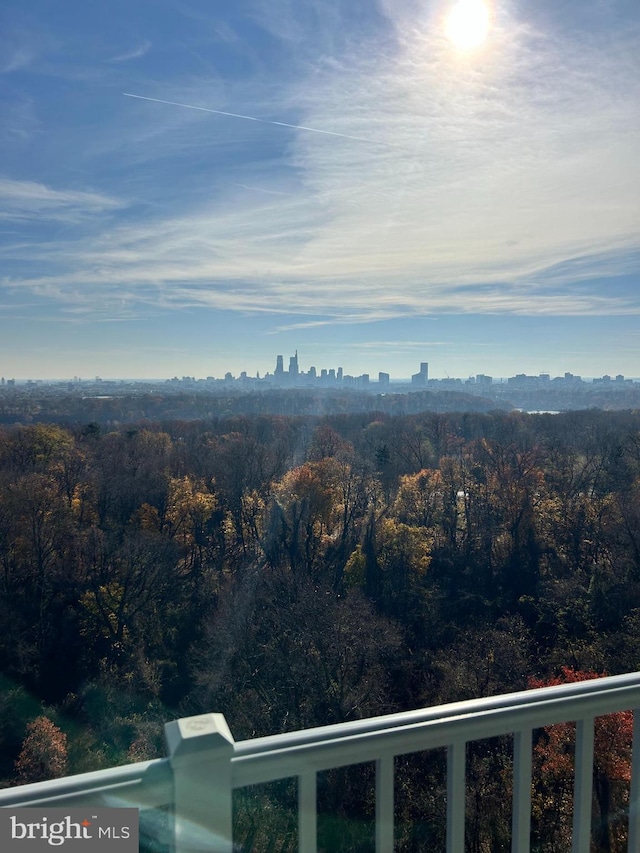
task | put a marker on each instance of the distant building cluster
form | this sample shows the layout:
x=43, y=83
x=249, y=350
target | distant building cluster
x=521, y=380
x=326, y=378
x=331, y=377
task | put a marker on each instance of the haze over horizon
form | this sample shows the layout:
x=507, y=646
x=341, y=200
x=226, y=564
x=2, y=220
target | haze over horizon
x=192, y=188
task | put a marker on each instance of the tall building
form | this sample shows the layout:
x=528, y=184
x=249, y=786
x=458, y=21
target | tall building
x=279, y=366
x=422, y=377
x=293, y=366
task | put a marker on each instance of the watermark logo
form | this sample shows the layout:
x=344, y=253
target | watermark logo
x=34, y=830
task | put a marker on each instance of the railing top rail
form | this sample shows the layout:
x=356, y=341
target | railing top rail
x=279, y=756
x=98, y=782
x=548, y=708
x=269, y=743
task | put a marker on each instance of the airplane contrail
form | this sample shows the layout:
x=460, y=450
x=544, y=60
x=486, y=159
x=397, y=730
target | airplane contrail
x=253, y=118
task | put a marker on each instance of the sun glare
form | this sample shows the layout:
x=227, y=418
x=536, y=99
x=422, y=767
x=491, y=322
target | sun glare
x=468, y=24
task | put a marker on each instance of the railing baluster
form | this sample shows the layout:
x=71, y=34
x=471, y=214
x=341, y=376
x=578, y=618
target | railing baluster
x=583, y=789
x=307, y=812
x=521, y=821
x=456, y=796
x=633, y=844
x=384, y=804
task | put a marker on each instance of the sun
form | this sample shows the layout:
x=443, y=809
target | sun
x=467, y=24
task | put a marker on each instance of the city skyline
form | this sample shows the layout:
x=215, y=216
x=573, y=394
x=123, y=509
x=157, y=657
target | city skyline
x=189, y=188
x=301, y=374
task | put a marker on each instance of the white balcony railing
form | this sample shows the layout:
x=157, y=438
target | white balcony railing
x=205, y=765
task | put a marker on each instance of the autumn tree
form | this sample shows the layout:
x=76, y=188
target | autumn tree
x=190, y=506
x=303, y=515
x=554, y=758
x=44, y=752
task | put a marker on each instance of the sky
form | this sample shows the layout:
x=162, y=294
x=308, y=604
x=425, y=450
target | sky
x=190, y=188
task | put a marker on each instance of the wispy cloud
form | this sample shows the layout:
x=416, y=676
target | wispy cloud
x=263, y=190
x=29, y=199
x=16, y=60
x=134, y=53
x=23, y=40
x=250, y=118
x=397, y=347
x=20, y=121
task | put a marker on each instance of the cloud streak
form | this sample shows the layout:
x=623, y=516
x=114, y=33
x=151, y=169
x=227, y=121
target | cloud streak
x=18, y=59
x=30, y=199
x=252, y=118
x=136, y=53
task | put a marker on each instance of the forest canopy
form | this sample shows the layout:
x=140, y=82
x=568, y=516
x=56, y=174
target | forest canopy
x=299, y=571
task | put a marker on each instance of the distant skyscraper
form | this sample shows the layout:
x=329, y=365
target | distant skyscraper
x=422, y=377
x=279, y=365
x=293, y=365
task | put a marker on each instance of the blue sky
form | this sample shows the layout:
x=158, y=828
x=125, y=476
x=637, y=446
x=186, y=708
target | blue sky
x=399, y=199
